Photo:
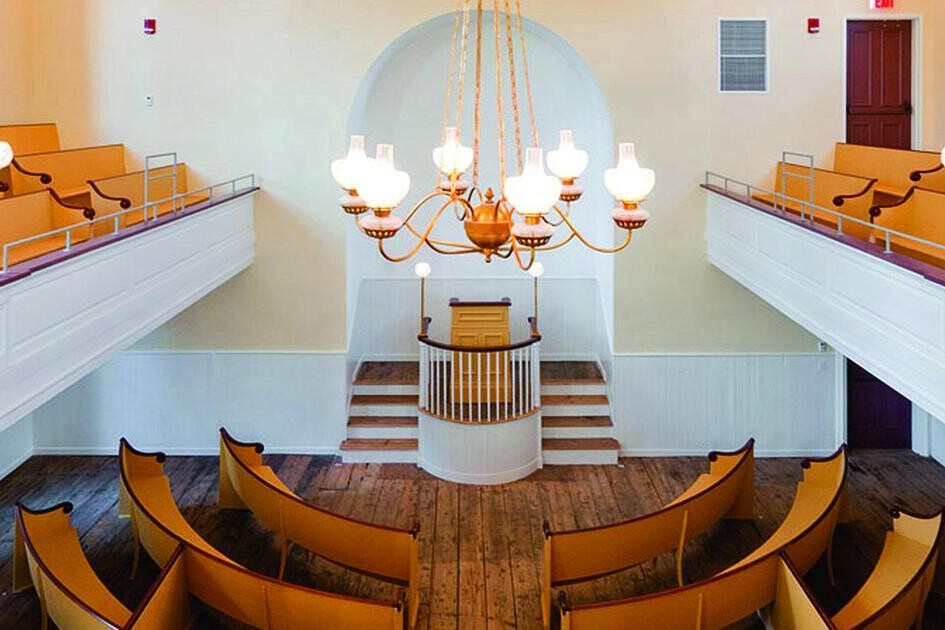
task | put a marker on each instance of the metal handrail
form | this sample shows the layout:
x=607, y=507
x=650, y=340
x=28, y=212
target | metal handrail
x=841, y=218
x=115, y=217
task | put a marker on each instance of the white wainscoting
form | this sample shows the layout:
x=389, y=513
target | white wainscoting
x=59, y=324
x=387, y=317
x=176, y=402
x=16, y=445
x=887, y=319
x=692, y=404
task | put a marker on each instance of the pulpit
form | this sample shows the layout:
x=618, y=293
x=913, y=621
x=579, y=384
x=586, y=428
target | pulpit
x=480, y=377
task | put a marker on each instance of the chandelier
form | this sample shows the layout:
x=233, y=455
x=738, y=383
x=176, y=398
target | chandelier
x=522, y=219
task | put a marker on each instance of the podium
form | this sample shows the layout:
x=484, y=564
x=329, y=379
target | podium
x=480, y=377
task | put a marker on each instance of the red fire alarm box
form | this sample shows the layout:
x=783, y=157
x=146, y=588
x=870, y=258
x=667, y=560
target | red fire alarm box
x=150, y=26
x=813, y=25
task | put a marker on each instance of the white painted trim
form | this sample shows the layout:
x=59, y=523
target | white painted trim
x=918, y=62
x=921, y=431
x=763, y=453
x=483, y=479
x=17, y=463
x=840, y=402
x=660, y=355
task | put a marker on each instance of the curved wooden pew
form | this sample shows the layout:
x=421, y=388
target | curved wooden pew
x=48, y=557
x=895, y=592
x=726, y=491
x=385, y=552
x=849, y=195
x=892, y=168
x=23, y=216
x=254, y=599
x=749, y=585
x=920, y=213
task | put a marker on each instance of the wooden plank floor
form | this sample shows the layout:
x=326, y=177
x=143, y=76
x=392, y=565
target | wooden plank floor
x=480, y=546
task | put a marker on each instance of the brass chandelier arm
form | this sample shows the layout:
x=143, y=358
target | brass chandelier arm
x=560, y=212
x=423, y=237
x=602, y=250
x=549, y=248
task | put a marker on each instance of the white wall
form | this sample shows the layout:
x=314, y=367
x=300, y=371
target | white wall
x=176, y=402
x=691, y=404
x=16, y=445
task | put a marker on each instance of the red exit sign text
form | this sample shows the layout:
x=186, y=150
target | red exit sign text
x=882, y=4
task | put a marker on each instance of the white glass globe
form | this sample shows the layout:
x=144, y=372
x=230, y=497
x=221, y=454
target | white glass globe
x=567, y=162
x=943, y=156
x=348, y=170
x=452, y=159
x=6, y=154
x=537, y=270
x=380, y=184
x=533, y=193
x=628, y=181
x=422, y=270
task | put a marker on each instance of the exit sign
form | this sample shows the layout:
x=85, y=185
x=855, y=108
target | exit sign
x=882, y=4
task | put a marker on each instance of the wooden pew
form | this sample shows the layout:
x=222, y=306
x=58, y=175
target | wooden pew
x=70, y=170
x=23, y=216
x=726, y=491
x=895, y=592
x=48, y=557
x=714, y=603
x=921, y=213
x=158, y=526
x=385, y=552
x=749, y=585
x=892, y=168
x=31, y=137
x=849, y=195
x=112, y=195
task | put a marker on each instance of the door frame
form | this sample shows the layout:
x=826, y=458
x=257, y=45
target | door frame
x=917, y=68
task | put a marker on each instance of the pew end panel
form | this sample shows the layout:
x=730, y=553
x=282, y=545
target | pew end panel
x=892, y=168
x=794, y=605
x=33, y=214
x=229, y=498
x=167, y=602
x=920, y=213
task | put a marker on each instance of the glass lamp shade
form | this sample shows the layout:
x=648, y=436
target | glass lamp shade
x=381, y=185
x=422, y=269
x=452, y=159
x=943, y=157
x=537, y=270
x=567, y=162
x=348, y=170
x=6, y=154
x=628, y=182
x=533, y=193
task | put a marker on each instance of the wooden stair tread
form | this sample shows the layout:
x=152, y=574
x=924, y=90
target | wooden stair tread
x=385, y=399
x=571, y=373
x=576, y=421
x=388, y=373
x=574, y=399
x=377, y=444
x=580, y=444
x=382, y=421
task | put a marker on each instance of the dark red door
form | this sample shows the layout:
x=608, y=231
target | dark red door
x=879, y=83
x=877, y=415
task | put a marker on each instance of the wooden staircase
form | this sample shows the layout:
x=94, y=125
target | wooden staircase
x=576, y=423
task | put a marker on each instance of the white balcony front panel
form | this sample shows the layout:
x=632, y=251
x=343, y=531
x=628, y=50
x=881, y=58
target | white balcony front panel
x=884, y=317
x=60, y=323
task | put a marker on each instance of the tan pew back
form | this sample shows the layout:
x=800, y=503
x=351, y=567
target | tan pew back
x=385, y=552
x=921, y=213
x=31, y=138
x=221, y=583
x=891, y=167
x=24, y=216
x=849, y=195
x=714, y=603
x=747, y=586
x=726, y=491
x=894, y=594
x=48, y=557
x=71, y=169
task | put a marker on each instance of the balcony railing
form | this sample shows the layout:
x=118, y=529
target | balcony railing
x=480, y=385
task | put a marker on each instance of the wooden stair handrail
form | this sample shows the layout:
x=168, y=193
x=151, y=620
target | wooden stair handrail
x=839, y=200
x=123, y=202
x=44, y=178
x=423, y=338
x=916, y=176
x=88, y=213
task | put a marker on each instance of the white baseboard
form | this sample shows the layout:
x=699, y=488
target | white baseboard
x=759, y=453
x=16, y=464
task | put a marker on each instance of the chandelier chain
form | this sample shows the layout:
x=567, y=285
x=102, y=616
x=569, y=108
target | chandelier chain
x=528, y=83
x=477, y=112
x=452, y=75
x=515, y=115
x=462, y=68
x=498, y=94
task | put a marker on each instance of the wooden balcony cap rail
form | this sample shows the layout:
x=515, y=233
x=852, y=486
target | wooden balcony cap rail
x=424, y=338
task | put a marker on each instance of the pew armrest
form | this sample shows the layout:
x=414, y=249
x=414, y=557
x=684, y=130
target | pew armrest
x=44, y=178
x=839, y=200
x=877, y=210
x=916, y=176
x=88, y=213
x=124, y=202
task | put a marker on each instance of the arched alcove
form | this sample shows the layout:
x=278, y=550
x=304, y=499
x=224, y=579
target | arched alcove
x=401, y=101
